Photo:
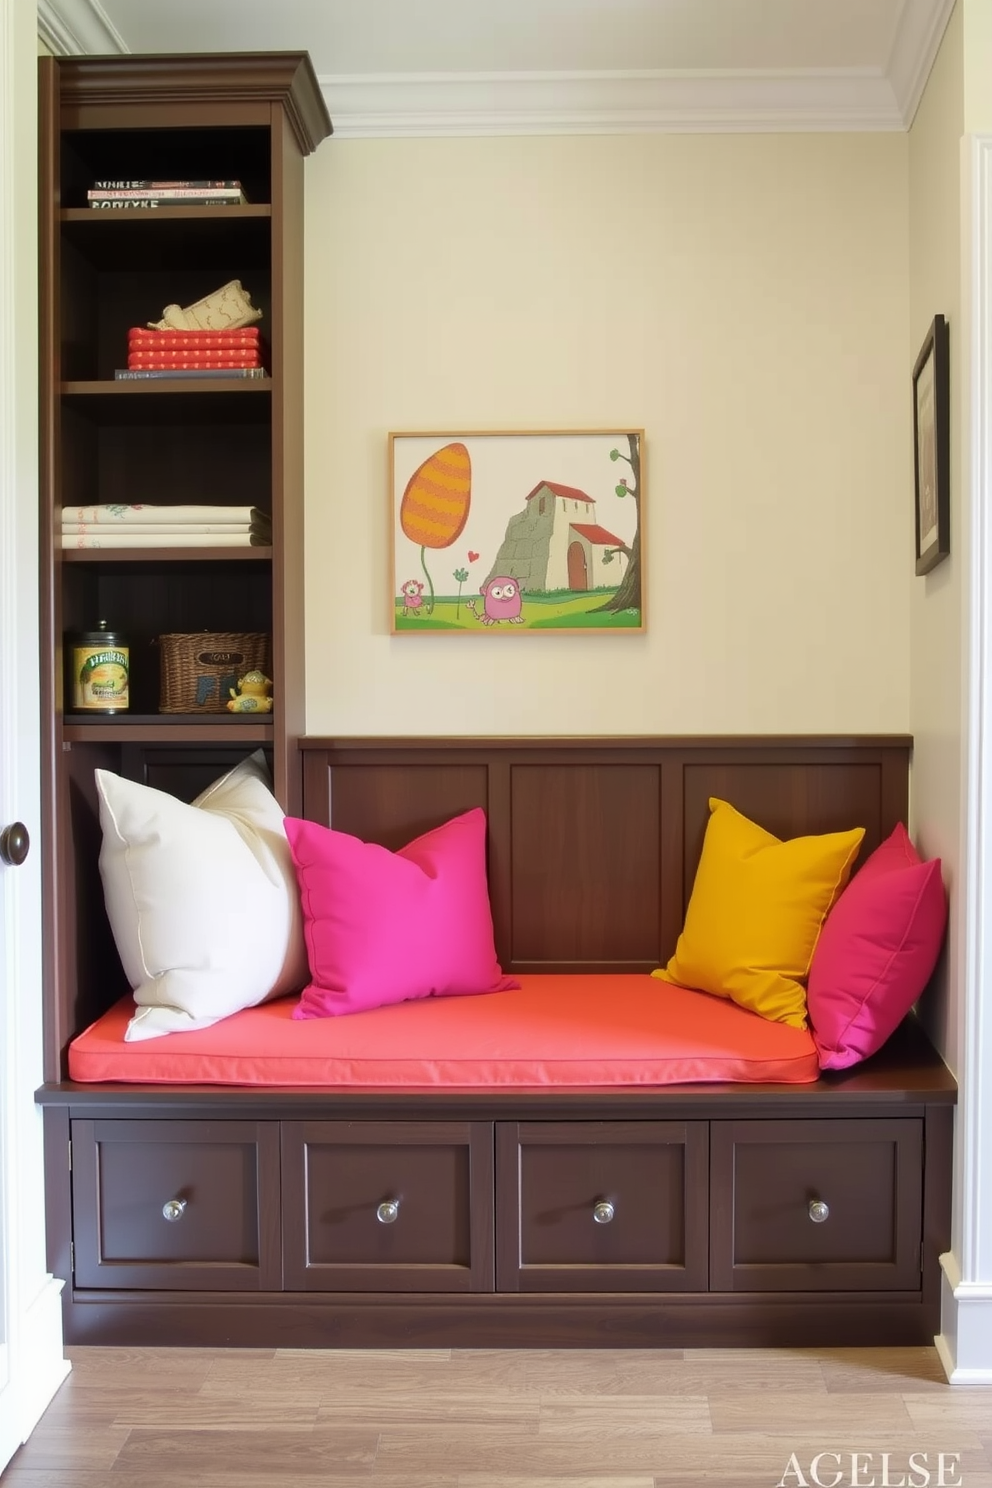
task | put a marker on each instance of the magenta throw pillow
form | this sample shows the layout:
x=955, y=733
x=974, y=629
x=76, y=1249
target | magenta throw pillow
x=383, y=927
x=876, y=952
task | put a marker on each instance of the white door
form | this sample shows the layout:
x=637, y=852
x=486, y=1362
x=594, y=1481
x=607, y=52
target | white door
x=31, y=1363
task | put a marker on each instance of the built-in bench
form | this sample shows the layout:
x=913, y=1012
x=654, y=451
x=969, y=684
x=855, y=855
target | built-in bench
x=485, y=1214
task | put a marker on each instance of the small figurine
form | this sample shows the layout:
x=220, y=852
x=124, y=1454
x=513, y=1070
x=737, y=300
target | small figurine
x=254, y=689
x=227, y=309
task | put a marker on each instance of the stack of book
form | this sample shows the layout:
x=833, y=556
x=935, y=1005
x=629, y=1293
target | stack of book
x=192, y=354
x=123, y=195
x=140, y=526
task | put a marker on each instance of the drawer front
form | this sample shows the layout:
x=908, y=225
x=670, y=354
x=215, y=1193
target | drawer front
x=383, y=1206
x=816, y=1205
x=601, y=1206
x=183, y=1205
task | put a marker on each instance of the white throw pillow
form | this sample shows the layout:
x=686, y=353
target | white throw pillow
x=202, y=899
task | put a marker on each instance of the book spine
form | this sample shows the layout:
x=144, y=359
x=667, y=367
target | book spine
x=190, y=349
x=194, y=353
x=185, y=364
x=167, y=193
x=232, y=358
x=142, y=348
x=130, y=374
x=156, y=201
x=165, y=185
x=141, y=340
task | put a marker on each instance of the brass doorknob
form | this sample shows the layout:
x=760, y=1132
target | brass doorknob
x=14, y=844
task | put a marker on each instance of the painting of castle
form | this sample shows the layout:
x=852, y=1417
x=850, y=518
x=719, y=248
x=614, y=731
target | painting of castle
x=557, y=543
x=507, y=533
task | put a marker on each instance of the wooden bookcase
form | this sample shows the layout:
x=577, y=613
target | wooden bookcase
x=253, y=117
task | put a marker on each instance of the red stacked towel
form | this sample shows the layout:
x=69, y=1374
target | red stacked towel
x=149, y=350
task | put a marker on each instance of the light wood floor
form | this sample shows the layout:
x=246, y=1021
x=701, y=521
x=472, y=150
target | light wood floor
x=166, y=1418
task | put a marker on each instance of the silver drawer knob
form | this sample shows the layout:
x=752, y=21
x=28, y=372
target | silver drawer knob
x=818, y=1211
x=603, y=1211
x=388, y=1211
x=173, y=1210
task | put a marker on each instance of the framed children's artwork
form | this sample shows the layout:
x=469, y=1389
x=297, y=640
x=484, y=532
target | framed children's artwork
x=506, y=533
x=931, y=443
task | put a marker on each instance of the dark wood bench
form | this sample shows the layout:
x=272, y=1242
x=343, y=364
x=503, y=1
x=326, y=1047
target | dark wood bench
x=593, y=845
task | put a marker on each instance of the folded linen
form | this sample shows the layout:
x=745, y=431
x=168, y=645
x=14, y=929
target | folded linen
x=113, y=513
x=132, y=539
x=149, y=529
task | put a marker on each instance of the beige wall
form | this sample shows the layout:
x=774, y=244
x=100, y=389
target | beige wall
x=743, y=300
x=976, y=49
x=937, y=621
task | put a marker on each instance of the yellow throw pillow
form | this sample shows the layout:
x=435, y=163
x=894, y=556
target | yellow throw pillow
x=755, y=913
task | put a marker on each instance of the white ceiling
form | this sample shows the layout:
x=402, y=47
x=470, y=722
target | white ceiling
x=436, y=67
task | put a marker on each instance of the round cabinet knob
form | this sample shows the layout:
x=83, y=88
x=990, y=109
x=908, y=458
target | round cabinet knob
x=14, y=844
x=388, y=1211
x=603, y=1211
x=173, y=1210
x=818, y=1211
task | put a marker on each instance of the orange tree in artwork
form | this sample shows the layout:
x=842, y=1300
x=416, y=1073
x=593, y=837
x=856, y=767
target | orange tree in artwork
x=436, y=503
x=628, y=594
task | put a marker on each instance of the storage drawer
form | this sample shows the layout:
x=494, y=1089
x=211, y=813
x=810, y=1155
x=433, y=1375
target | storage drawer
x=816, y=1205
x=601, y=1206
x=384, y=1206
x=185, y=1205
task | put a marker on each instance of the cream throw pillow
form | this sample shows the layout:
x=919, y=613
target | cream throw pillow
x=202, y=898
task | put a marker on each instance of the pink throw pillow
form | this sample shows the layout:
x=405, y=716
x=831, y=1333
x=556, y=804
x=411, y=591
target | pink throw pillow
x=876, y=952
x=383, y=927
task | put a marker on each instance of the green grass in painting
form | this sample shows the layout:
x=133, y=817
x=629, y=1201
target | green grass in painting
x=624, y=620
x=559, y=611
x=436, y=621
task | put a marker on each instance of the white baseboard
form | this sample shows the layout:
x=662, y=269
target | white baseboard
x=964, y=1344
x=37, y=1368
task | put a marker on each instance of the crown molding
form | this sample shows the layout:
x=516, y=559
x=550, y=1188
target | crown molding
x=417, y=105
x=74, y=28
x=449, y=104
x=917, y=42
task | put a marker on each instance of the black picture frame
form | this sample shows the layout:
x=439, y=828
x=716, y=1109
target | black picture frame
x=931, y=447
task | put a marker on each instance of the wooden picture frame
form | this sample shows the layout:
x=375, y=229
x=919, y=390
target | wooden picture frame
x=509, y=533
x=931, y=447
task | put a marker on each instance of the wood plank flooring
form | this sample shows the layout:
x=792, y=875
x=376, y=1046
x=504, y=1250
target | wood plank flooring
x=465, y=1418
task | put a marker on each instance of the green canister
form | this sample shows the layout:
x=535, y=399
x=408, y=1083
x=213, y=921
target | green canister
x=99, y=667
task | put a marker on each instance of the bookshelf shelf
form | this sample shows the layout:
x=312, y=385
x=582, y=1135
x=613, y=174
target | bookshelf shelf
x=168, y=729
x=152, y=387
x=153, y=557
x=125, y=221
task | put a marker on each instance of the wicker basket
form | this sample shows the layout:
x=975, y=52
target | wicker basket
x=199, y=670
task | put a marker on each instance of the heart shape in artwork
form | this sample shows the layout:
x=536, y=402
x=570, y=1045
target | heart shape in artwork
x=472, y=556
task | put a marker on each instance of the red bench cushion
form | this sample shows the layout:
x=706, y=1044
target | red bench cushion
x=555, y=1030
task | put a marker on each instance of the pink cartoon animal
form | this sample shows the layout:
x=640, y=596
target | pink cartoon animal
x=410, y=595
x=503, y=601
